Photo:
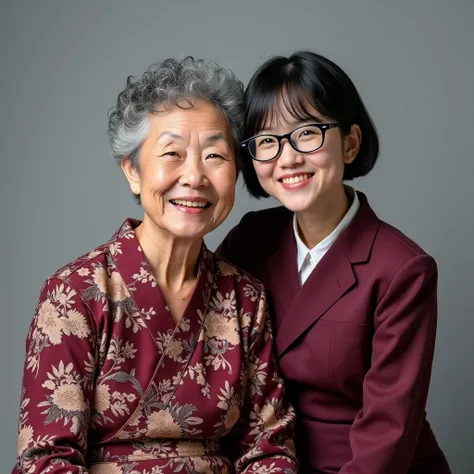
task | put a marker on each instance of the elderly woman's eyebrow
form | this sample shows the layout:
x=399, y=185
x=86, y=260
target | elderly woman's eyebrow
x=169, y=134
x=216, y=137
x=208, y=140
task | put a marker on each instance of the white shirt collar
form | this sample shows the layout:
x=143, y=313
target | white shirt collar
x=320, y=249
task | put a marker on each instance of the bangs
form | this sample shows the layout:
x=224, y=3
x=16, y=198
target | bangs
x=291, y=101
x=279, y=96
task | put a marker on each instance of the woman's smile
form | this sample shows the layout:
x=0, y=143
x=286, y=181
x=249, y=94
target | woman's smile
x=295, y=181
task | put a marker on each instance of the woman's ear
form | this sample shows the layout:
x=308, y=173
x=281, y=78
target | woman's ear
x=352, y=144
x=131, y=173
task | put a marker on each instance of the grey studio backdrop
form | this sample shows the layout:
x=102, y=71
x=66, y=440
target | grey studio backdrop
x=63, y=64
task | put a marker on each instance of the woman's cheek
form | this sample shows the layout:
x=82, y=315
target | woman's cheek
x=264, y=171
x=226, y=201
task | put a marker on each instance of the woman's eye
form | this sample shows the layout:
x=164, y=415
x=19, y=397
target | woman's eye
x=215, y=155
x=306, y=133
x=171, y=154
x=266, y=141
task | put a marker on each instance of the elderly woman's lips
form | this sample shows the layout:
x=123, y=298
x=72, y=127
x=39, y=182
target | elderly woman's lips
x=190, y=206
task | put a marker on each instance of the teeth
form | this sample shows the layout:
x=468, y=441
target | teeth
x=179, y=202
x=296, y=179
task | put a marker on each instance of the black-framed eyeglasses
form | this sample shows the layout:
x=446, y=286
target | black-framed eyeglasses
x=304, y=139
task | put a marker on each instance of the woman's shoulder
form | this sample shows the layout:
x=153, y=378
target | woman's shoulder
x=393, y=251
x=246, y=244
x=398, y=242
x=96, y=262
x=380, y=241
x=96, y=256
x=265, y=219
x=266, y=223
x=239, y=278
x=86, y=267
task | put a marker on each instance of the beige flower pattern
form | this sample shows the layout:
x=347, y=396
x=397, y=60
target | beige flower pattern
x=112, y=385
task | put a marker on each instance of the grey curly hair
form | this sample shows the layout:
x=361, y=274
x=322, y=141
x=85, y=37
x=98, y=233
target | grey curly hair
x=168, y=83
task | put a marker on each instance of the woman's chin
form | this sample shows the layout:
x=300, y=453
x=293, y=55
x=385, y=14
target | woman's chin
x=191, y=235
x=296, y=205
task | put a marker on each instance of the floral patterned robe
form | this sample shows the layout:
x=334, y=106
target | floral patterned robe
x=112, y=385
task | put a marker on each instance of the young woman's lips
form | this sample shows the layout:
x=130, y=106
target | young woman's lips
x=191, y=205
x=295, y=181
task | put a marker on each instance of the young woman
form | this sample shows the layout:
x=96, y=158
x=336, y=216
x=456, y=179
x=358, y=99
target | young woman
x=354, y=300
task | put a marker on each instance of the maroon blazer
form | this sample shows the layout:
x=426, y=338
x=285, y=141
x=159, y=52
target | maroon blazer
x=354, y=343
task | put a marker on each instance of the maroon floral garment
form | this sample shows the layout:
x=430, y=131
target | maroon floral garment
x=113, y=386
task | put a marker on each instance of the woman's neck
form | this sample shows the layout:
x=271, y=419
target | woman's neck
x=315, y=224
x=173, y=261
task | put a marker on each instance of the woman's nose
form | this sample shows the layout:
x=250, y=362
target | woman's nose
x=193, y=174
x=289, y=157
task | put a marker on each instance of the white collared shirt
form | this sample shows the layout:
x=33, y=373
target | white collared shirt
x=307, y=259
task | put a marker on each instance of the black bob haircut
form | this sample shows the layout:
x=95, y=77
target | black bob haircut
x=306, y=78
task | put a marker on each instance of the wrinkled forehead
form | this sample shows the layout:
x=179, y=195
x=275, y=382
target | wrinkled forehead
x=290, y=106
x=191, y=115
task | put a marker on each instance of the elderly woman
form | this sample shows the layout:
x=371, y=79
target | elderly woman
x=149, y=355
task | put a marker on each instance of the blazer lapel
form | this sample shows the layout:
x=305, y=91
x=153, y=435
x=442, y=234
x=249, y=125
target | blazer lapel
x=281, y=274
x=298, y=308
x=328, y=282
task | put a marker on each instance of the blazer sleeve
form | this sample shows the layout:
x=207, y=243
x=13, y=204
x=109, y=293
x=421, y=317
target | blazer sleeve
x=266, y=430
x=385, y=432
x=58, y=383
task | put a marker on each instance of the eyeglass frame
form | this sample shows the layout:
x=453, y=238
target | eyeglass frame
x=324, y=127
